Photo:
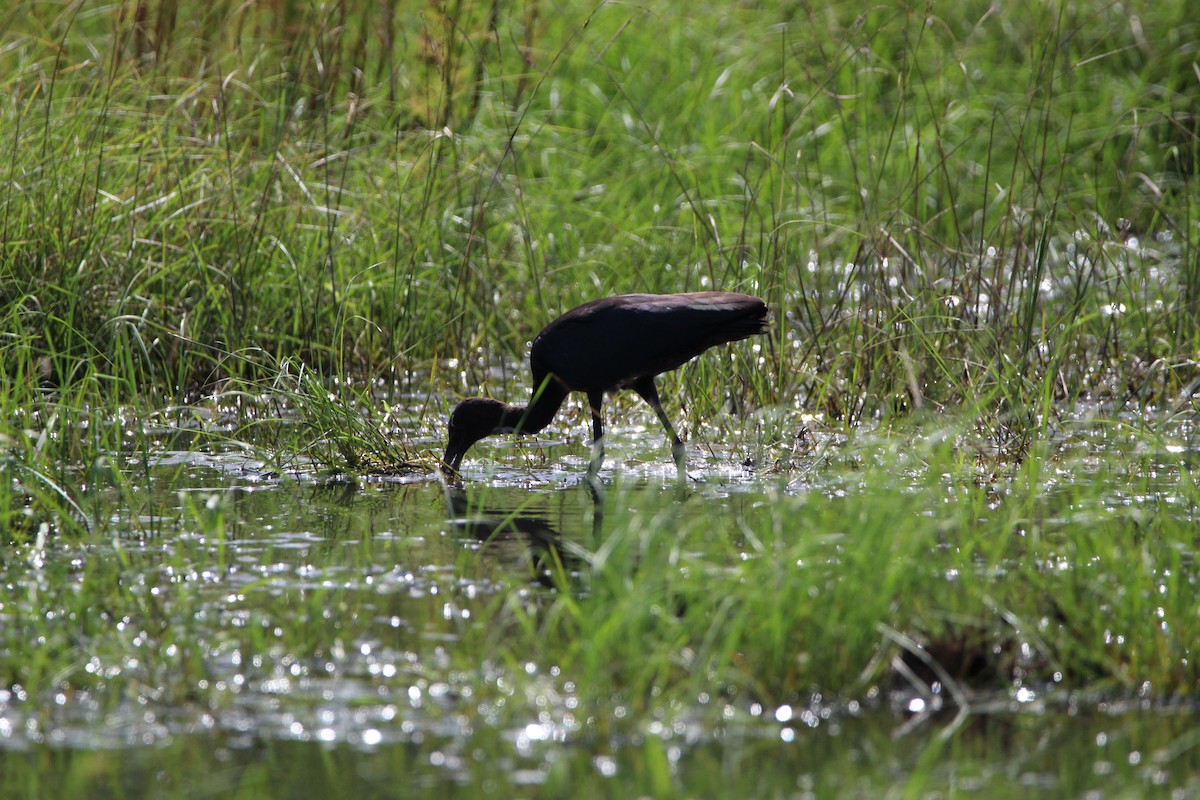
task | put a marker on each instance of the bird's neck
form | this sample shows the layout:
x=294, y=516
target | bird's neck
x=532, y=418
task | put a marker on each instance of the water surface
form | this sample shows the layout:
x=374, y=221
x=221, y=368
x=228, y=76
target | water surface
x=295, y=637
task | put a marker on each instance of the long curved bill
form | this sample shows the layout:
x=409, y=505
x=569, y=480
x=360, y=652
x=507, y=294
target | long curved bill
x=452, y=460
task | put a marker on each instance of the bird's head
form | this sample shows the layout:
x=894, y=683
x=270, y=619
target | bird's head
x=470, y=421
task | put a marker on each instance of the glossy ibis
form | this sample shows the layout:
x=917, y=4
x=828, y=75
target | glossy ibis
x=615, y=343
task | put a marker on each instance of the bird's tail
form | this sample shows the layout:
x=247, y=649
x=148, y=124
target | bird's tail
x=751, y=323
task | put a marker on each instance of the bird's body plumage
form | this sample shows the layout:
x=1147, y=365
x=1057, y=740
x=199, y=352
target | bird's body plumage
x=608, y=344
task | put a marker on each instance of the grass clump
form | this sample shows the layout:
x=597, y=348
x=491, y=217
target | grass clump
x=938, y=202
x=919, y=570
x=335, y=426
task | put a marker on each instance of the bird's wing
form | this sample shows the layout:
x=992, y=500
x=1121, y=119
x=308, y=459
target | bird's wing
x=610, y=342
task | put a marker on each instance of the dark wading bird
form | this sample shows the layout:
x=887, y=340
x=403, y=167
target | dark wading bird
x=614, y=343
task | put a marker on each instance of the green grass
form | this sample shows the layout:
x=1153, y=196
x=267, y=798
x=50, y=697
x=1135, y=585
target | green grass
x=1067, y=573
x=1028, y=578
x=933, y=200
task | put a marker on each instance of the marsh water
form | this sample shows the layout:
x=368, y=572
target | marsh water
x=229, y=552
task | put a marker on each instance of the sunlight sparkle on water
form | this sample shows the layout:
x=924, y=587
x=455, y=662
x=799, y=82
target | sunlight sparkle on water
x=538, y=732
x=605, y=765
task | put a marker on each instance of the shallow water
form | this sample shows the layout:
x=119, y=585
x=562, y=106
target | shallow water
x=294, y=639
x=1128, y=754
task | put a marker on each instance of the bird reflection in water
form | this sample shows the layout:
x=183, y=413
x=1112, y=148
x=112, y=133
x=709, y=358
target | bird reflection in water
x=522, y=537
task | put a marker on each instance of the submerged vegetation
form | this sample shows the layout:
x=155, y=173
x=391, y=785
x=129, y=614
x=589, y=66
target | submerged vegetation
x=300, y=230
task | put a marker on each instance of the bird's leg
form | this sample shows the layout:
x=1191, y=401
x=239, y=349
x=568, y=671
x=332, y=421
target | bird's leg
x=595, y=403
x=649, y=392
